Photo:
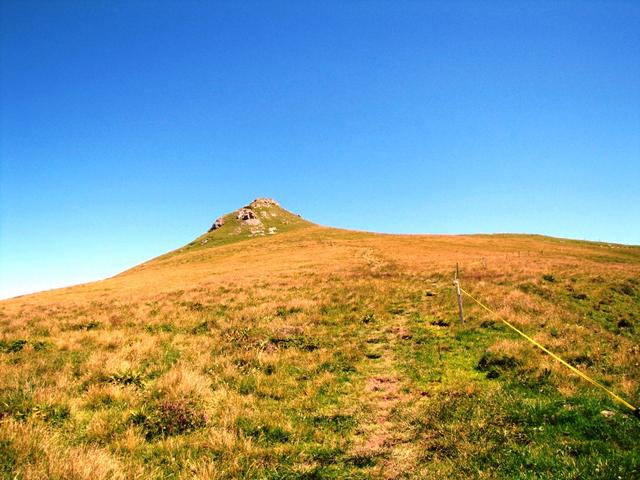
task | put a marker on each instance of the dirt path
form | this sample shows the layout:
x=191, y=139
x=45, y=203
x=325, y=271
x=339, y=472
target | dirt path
x=379, y=436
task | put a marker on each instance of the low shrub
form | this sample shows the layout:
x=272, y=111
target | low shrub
x=168, y=418
x=494, y=363
x=12, y=346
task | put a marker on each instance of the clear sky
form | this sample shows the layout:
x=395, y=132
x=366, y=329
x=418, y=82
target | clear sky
x=127, y=127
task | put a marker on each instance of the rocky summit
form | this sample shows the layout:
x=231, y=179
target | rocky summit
x=262, y=217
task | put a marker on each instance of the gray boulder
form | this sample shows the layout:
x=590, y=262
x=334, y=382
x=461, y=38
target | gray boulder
x=217, y=224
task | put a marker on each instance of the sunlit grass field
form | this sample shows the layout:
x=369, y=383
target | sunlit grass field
x=324, y=353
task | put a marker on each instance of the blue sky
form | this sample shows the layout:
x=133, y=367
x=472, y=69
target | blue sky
x=128, y=127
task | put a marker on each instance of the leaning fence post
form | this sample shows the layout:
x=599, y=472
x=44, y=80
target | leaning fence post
x=456, y=282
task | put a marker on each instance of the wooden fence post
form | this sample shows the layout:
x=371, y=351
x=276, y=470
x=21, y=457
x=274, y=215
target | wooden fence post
x=456, y=282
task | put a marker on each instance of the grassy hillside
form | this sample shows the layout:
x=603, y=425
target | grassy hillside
x=322, y=353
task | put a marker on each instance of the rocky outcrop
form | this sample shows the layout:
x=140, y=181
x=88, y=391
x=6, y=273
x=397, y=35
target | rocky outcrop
x=245, y=213
x=255, y=219
x=248, y=217
x=217, y=224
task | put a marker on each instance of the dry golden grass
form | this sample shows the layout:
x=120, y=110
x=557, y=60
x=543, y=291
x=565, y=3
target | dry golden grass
x=330, y=353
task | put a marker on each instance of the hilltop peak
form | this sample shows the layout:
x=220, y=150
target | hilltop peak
x=262, y=217
x=249, y=215
x=264, y=202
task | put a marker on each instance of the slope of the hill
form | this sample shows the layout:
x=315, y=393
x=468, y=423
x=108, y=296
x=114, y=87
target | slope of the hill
x=312, y=352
